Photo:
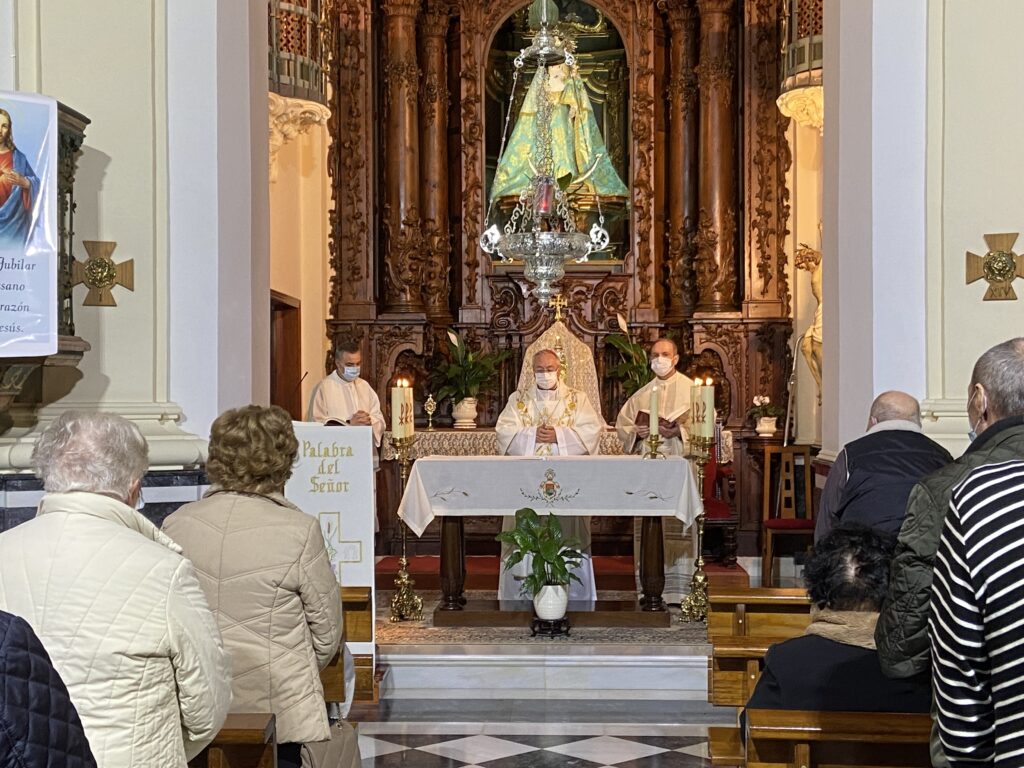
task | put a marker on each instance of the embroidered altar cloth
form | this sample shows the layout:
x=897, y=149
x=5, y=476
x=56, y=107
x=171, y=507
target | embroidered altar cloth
x=606, y=486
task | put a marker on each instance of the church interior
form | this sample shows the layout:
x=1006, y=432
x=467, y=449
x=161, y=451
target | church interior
x=476, y=250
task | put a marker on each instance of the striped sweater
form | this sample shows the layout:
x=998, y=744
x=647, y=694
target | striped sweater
x=977, y=620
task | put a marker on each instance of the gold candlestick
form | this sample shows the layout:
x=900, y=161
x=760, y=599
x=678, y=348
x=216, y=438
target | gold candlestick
x=429, y=408
x=695, y=604
x=406, y=605
x=653, y=442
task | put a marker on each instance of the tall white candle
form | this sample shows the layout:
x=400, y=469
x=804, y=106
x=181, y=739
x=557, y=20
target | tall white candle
x=401, y=410
x=654, y=409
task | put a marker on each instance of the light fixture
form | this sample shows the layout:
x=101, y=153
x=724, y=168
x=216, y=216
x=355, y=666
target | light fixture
x=541, y=229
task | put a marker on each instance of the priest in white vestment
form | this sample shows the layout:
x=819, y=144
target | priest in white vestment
x=633, y=427
x=344, y=398
x=549, y=419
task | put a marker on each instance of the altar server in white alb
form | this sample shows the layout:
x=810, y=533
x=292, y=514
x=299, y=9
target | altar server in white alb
x=550, y=419
x=673, y=393
x=344, y=398
x=672, y=390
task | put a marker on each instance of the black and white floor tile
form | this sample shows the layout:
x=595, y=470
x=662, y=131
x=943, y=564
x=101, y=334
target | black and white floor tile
x=532, y=751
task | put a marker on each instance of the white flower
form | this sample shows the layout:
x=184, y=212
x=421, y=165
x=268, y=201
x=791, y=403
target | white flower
x=623, y=325
x=765, y=399
x=453, y=338
x=759, y=400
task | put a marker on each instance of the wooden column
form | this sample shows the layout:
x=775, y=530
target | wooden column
x=682, y=187
x=403, y=239
x=716, y=228
x=434, y=160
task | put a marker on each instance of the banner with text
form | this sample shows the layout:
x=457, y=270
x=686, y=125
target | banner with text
x=28, y=225
x=333, y=481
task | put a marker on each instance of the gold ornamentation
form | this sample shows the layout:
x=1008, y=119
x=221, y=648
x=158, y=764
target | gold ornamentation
x=559, y=303
x=406, y=605
x=430, y=408
x=100, y=274
x=999, y=267
x=695, y=605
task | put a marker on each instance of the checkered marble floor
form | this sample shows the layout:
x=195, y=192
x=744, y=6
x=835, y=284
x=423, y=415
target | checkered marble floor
x=421, y=750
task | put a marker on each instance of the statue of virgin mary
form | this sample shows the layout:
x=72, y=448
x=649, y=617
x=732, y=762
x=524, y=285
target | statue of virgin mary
x=576, y=142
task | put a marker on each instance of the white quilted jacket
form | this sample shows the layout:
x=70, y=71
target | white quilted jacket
x=126, y=624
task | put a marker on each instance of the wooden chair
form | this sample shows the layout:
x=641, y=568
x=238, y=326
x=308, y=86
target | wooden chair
x=778, y=613
x=245, y=741
x=719, y=506
x=778, y=738
x=784, y=522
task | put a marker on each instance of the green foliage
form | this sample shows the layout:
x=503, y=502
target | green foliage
x=633, y=369
x=553, y=555
x=465, y=372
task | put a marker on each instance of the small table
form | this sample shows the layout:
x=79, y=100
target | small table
x=457, y=487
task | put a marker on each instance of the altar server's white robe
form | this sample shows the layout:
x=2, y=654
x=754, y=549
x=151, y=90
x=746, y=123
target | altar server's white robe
x=335, y=398
x=674, y=405
x=578, y=432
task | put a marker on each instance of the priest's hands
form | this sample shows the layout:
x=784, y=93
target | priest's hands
x=546, y=434
x=643, y=431
x=668, y=429
x=360, y=419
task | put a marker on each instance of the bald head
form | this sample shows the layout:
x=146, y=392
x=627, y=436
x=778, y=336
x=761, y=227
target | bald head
x=893, y=405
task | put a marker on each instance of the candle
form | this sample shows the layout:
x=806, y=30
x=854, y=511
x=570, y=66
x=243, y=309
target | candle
x=708, y=395
x=402, y=410
x=702, y=408
x=654, y=409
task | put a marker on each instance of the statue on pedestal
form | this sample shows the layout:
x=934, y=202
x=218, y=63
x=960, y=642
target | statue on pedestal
x=809, y=259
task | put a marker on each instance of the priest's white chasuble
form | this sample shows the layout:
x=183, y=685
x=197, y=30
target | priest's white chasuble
x=335, y=398
x=673, y=405
x=578, y=432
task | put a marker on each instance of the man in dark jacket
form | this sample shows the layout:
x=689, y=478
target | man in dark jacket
x=834, y=666
x=995, y=413
x=871, y=478
x=39, y=726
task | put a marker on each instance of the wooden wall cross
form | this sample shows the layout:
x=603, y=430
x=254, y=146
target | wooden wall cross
x=101, y=274
x=1000, y=267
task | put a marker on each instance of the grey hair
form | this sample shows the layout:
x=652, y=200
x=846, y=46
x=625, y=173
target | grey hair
x=892, y=405
x=90, y=451
x=1001, y=372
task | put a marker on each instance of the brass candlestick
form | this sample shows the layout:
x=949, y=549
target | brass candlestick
x=406, y=605
x=653, y=442
x=695, y=605
x=429, y=408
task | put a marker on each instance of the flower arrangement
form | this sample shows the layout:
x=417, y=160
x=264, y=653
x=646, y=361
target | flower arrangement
x=764, y=408
x=633, y=369
x=465, y=372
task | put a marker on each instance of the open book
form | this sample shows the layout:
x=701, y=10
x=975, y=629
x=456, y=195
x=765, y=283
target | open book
x=332, y=422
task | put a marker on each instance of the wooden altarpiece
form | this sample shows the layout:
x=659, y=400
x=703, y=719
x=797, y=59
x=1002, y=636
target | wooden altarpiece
x=709, y=207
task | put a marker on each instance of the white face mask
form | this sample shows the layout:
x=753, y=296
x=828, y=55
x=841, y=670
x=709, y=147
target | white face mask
x=350, y=372
x=546, y=379
x=661, y=366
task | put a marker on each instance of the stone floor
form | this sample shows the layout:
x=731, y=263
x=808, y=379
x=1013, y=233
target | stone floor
x=537, y=734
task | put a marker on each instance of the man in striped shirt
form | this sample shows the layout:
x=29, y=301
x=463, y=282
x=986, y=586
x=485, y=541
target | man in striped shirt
x=977, y=616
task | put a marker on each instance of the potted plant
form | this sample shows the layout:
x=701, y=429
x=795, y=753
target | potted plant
x=633, y=370
x=550, y=559
x=765, y=415
x=463, y=376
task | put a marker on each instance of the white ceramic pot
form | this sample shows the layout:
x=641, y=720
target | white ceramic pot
x=464, y=413
x=550, y=603
x=766, y=426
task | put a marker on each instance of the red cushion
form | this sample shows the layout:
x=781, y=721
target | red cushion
x=716, y=509
x=789, y=524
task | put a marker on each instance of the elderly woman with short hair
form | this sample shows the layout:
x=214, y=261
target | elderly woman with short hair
x=117, y=608
x=265, y=569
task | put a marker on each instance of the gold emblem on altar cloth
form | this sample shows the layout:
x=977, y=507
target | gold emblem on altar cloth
x=999, y=267
x=550, y=491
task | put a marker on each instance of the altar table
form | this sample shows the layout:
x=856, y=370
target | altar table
x=457, y=487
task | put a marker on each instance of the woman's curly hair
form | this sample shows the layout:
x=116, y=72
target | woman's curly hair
x=252, y=449
x=849, y=570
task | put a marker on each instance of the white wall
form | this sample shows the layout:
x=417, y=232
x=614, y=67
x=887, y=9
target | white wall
x=174, y=169
x=873, y=209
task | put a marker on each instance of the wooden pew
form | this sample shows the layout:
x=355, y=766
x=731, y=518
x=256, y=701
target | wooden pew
x=758, y=612
x=245, y=741
x=797, y=739
x=725, y=747
x=734, y=668
x=358, y=613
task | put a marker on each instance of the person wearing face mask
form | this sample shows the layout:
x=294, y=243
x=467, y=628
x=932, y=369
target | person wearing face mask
x=995, y=415
x=633, y=427
x=345, y=398
x=549, y=419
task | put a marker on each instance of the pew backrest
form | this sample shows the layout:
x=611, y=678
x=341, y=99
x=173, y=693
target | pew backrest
x=246, y=740
x=779, y=613
x=734, y=668
x=802, y=739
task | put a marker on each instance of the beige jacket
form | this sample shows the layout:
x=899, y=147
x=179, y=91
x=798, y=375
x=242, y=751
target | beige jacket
x=265, y=570
x=126, y=624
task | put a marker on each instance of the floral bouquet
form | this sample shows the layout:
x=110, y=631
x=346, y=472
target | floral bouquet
x=764, y=408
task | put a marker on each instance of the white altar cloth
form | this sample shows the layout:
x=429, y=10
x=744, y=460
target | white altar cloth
x=598, y=486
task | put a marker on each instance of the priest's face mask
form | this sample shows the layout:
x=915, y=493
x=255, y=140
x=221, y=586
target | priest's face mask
x=348, y=365
x=546, y=367
x=664, y=358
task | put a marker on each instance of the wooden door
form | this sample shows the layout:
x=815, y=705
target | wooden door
x=286, y=354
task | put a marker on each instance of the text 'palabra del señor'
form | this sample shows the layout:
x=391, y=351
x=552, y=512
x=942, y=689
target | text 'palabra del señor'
x=322, y=450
